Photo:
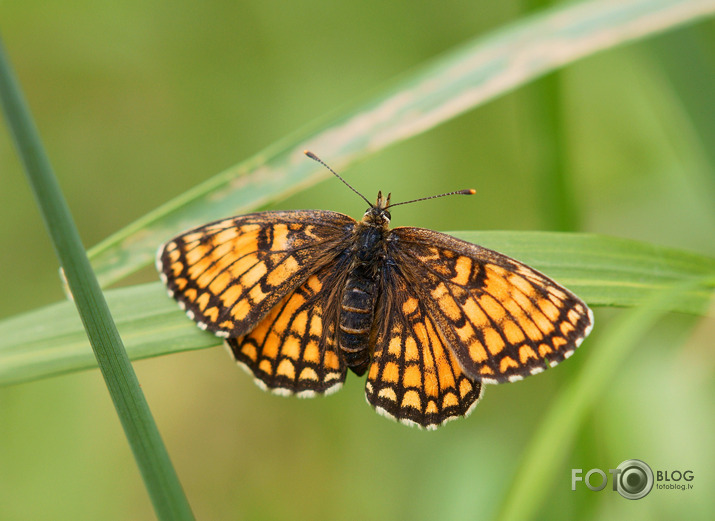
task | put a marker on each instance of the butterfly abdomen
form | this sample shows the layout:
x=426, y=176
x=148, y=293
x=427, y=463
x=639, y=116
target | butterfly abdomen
x=357, y=311
x=357, y=308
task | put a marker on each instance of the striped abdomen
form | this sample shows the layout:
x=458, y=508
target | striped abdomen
x=357, y=311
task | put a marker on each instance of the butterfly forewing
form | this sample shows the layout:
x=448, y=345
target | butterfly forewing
x=502, y=319
x=228, y=275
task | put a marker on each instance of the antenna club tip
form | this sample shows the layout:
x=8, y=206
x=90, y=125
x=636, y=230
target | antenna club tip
x=308, y=153
x=470, y=191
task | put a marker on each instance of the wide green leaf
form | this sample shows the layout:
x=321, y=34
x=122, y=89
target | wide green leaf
x=604, y=271
x=452, y=84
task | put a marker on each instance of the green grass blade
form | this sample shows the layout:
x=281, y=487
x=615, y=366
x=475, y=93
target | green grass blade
x=557, y=203
x=149, y=451
x=556, y=433
x=602, y=270
x=694, y=93
x=458, y=81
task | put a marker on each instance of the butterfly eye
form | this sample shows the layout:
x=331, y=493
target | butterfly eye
x=387, y=214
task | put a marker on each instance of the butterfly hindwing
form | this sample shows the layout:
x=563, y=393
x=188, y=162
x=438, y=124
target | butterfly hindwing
x=414, y=378
x=503, y=319
x=293, y=350
x=227, y=275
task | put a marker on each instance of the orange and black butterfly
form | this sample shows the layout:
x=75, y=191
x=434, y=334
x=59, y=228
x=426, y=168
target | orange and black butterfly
x=302, y=296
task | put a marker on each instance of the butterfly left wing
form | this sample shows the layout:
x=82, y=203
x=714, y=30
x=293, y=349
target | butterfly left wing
x=413, y=377
x=502, y=319
x=229, y=274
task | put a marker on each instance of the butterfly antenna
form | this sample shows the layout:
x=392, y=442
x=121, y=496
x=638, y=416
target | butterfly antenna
x=316, y=158
x=469, y=191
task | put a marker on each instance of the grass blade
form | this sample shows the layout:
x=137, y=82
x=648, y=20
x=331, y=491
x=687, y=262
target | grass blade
x=556, y=199
x=149, y=451
x=456, y=82
x=602, y=270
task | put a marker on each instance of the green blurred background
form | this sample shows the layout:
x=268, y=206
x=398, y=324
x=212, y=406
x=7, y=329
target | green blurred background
x=137, y=102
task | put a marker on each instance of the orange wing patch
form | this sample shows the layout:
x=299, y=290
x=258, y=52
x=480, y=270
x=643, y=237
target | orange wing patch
x=227, y=275
x=293, y=350
x=413, y=377
x=502, y=319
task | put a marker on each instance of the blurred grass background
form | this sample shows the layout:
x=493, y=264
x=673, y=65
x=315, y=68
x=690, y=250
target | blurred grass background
x=137, y=103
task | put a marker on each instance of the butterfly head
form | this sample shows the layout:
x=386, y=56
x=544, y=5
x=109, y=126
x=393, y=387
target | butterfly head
x=377, y=214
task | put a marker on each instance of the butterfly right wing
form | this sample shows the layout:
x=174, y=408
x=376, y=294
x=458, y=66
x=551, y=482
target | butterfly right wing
x=227, y=275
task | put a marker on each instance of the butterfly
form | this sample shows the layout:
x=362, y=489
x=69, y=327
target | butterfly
x=301, y=297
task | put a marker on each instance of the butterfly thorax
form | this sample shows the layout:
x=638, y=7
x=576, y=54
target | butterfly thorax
x=361, y=291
